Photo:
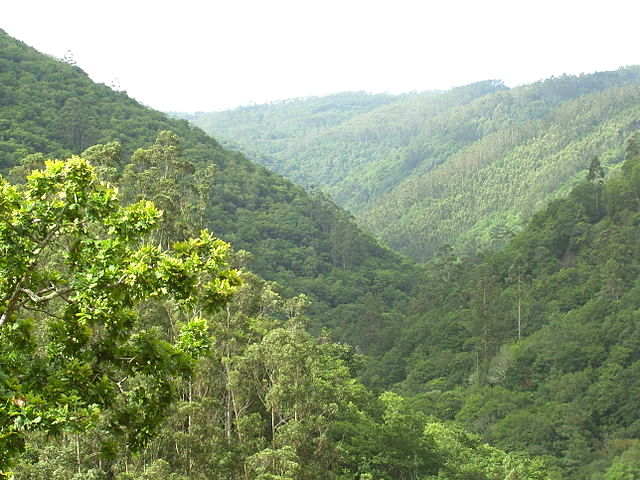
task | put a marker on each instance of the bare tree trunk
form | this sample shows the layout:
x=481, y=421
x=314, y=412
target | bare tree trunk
x=78, y=462
x=519, y=318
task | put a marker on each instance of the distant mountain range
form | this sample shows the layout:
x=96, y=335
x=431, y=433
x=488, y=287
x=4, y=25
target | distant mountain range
x=463, y=167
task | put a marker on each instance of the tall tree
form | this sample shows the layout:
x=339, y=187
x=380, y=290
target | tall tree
x=162, y=175
x=74, y=122
x=596, y=176
x=519, y=278
x=487, y=324
x=74, y=268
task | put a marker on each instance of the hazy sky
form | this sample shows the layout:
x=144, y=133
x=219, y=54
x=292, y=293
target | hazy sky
x=189, y=55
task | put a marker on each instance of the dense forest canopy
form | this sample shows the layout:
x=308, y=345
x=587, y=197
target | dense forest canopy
x=302, y=241
x=97, y=351
x=535, y=346
x=116, y=347
x=124, y=355
x=75, y=272
x=456, y=167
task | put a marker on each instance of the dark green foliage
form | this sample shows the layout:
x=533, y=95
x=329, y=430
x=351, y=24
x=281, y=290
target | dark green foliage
x=271, y=402
x=303, y=241
x=536, y=346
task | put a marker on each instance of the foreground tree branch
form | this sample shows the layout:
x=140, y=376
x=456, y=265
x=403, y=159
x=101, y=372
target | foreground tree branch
x=88, y=360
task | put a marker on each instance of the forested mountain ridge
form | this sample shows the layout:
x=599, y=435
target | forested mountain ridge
x=535, y=345
x=302, y=241
x=114, y=317
x=339, y=148
x=501, y=179
x=481, y=158
x=287, y=120
x=114, y=343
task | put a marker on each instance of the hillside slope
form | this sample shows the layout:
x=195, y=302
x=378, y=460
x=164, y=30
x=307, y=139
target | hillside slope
x=501, y=179
x=286, y=120
x=339, y=157
x=448, y=168
x=302, y=241
x=536, y=346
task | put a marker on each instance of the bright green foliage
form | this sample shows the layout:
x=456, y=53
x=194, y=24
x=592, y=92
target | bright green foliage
x=538, y=394
x=626, y=466
x=269, y=401
x=394, y=445
x=73, y=269
x=467, y=457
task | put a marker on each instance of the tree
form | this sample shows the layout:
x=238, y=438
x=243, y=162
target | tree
x=487, y=323
x=625, y=466
x=74, y=272
x=632, y=147
x=596, y=176
x=518, y=277
x=596, y=172
x=446, y=263
x=74, y=121
x=343, y=237
x=302, y=386
x=464, y=456
x=161, y=174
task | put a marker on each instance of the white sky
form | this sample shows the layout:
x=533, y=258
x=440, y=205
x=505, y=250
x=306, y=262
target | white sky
x=196, y=55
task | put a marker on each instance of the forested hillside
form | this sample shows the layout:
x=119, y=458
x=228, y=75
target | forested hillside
x=135, y=345
x=123, y=355
x=536, y=346
x=532, y=346
x=341, y=157
x=302, y=241
x=270, y=128
x=463, y=167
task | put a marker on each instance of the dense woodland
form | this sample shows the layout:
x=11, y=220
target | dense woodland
x=302, y=241
x=137, y=345
x=461, y=167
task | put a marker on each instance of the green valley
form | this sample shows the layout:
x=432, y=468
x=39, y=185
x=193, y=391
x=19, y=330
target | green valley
x=137, y=344
x=534, y=345
x=456, y=167
x=302, y=241
x=122, y=355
